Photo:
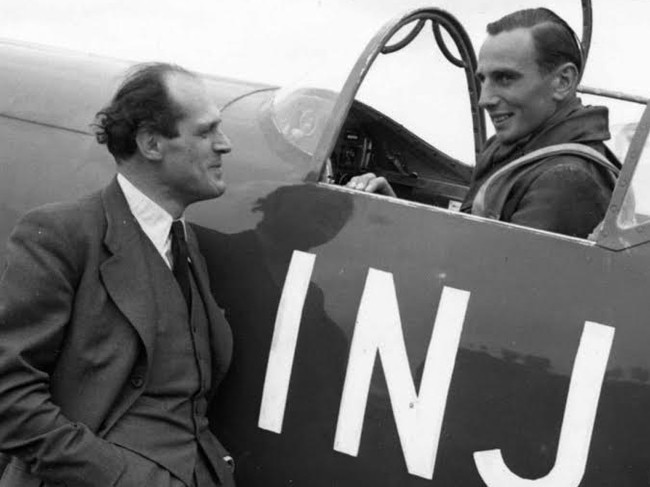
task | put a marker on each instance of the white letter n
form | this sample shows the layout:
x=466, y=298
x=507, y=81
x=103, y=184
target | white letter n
x=379, y=330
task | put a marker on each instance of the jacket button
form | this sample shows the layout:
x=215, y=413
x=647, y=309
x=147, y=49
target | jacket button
x=230, y=462
x=137, y=381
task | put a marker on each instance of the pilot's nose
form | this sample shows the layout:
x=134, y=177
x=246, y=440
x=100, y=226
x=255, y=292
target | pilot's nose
x=488, y=97
x=222, y=143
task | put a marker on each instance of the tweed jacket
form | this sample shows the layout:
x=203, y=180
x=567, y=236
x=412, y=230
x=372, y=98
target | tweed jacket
x=78, y=317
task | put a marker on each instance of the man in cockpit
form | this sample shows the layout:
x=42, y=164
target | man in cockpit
x=529, y=68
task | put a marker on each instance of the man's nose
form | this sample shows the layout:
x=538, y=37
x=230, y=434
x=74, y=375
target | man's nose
x=488, y=98
x=222, y=143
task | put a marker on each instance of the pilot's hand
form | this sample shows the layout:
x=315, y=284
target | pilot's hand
x=370, y=183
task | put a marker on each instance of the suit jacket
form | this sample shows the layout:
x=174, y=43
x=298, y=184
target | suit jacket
x=78, y=317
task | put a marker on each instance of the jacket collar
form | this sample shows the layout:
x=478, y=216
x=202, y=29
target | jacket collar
x=220, y=334
x=571, y=123
x=124, y=272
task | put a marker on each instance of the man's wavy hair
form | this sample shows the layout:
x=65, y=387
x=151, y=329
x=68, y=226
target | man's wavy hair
x=555, y=41
x=142, y=100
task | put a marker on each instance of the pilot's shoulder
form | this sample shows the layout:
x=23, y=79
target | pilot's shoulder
x=570, y=164
x=570, y=175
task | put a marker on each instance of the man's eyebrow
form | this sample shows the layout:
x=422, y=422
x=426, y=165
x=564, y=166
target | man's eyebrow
x=210, y=125
x=498, y=72
x=512, y=72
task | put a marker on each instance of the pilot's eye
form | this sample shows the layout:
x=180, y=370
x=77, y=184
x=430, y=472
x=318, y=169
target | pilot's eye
x=504, y=78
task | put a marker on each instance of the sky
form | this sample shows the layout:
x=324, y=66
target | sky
x=316, y=42
x=281, y=40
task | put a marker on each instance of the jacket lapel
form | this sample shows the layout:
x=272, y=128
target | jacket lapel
x=199, y=266
x=125, y=274
x=220, y=334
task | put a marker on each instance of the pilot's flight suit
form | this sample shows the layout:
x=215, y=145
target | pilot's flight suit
x=564, y=194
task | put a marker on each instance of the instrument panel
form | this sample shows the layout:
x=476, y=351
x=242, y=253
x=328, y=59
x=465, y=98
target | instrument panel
x=371, y=142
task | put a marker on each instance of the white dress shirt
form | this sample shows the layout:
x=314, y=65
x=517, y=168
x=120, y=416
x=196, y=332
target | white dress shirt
x=153, y=219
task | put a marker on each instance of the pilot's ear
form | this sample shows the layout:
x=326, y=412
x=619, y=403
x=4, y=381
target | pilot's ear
x=565, y=82
x=148, y=144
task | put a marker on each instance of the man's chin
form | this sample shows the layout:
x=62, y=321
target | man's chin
x=506, y=137
x=217, y=187
x=210, y=193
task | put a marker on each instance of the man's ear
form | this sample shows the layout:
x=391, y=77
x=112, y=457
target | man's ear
x=565, y=82
x=148, y=144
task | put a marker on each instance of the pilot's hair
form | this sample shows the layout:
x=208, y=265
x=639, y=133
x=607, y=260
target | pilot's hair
x=555, y=41
x=142, y=100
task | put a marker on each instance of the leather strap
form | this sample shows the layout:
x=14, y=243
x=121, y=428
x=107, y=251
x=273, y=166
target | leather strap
x=493, y=193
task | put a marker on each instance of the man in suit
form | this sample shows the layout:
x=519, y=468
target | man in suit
x=529, y=68
x=111, y=344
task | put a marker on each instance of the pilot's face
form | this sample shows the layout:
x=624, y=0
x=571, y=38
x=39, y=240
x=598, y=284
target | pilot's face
x=191, y=161
x=516, y=95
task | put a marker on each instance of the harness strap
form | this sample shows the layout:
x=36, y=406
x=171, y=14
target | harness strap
x=493, y=193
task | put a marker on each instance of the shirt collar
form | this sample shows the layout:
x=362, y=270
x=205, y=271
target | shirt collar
x=153, y=219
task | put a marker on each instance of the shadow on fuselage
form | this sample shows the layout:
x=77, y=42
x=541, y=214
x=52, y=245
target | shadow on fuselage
x=247, y=271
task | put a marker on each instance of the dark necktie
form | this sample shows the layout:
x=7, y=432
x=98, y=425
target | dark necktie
x=181, y=266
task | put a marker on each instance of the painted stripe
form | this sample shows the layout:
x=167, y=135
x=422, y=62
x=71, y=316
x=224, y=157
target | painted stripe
x=578, y=422
x=378, y=331
x=285, y=337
